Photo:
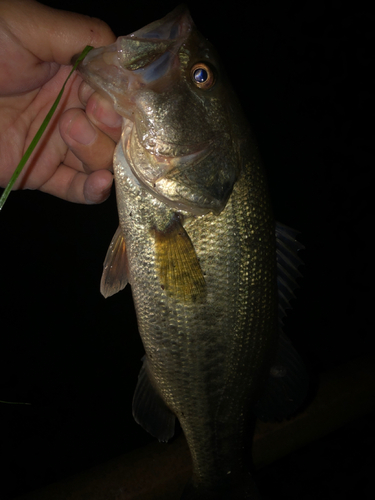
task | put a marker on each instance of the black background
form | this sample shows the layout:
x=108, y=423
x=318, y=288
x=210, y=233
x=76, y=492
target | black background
x=303, y=73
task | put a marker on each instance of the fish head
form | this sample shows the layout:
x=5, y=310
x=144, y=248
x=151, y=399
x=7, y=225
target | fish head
x=179, y=137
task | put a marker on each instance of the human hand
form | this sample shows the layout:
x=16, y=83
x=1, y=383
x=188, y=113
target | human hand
x=73, y=158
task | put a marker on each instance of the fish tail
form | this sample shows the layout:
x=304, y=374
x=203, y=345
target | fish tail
x=235, y=488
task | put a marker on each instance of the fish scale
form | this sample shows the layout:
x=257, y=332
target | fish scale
x=198, y=243
x=215, y=346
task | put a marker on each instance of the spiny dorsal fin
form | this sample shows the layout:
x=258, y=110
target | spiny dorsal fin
x=177, y=263
x=287, y=265
x=149, y=409
x=288, y=380
x=114, y=277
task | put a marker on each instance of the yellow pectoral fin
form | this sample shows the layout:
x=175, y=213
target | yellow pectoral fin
x=177, y=263
x=115, y=276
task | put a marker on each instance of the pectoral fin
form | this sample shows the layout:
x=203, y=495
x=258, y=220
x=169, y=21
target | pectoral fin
x=115, y=276
x=177, y=263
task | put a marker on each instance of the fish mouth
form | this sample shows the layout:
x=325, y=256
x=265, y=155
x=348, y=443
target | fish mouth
x=138, y=60
x=167, y=139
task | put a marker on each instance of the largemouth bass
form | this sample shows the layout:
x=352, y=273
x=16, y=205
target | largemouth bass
x=198, y=244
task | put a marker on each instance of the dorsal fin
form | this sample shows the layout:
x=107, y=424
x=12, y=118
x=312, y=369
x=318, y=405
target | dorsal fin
x=287, y=384
x=115, y=275
x=288, y=262
x=288, y=380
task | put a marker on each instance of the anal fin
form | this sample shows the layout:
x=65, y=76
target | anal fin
x=149, y=409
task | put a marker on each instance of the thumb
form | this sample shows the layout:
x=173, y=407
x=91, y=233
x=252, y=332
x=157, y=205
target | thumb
x=53, y=35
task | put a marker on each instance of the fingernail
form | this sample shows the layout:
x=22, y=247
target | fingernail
x=111, y=119
x=106, y=114
x=81, y=130
x=85, y=92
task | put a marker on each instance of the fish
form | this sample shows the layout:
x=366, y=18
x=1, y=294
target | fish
x=210, y=270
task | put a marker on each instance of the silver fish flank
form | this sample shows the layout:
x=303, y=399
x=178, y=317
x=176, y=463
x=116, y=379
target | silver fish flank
x=198, y=244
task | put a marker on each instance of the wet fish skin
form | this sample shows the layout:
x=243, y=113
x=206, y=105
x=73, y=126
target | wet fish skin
x=207, y=376
x=196, y=243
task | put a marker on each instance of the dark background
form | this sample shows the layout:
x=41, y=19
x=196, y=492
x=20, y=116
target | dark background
x=303, y=72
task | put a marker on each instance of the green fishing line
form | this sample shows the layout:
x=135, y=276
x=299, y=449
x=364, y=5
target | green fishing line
x=39, y=134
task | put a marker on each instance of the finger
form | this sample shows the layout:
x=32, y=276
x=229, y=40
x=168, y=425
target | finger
x=59, y=34
x=100, y=111
x=89, y=144
x=85, y=92
x=97, y=187
x=78, y=187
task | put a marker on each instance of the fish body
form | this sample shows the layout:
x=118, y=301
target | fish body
x=197, y=244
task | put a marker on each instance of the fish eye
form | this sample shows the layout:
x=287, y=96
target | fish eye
x=203, y=76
